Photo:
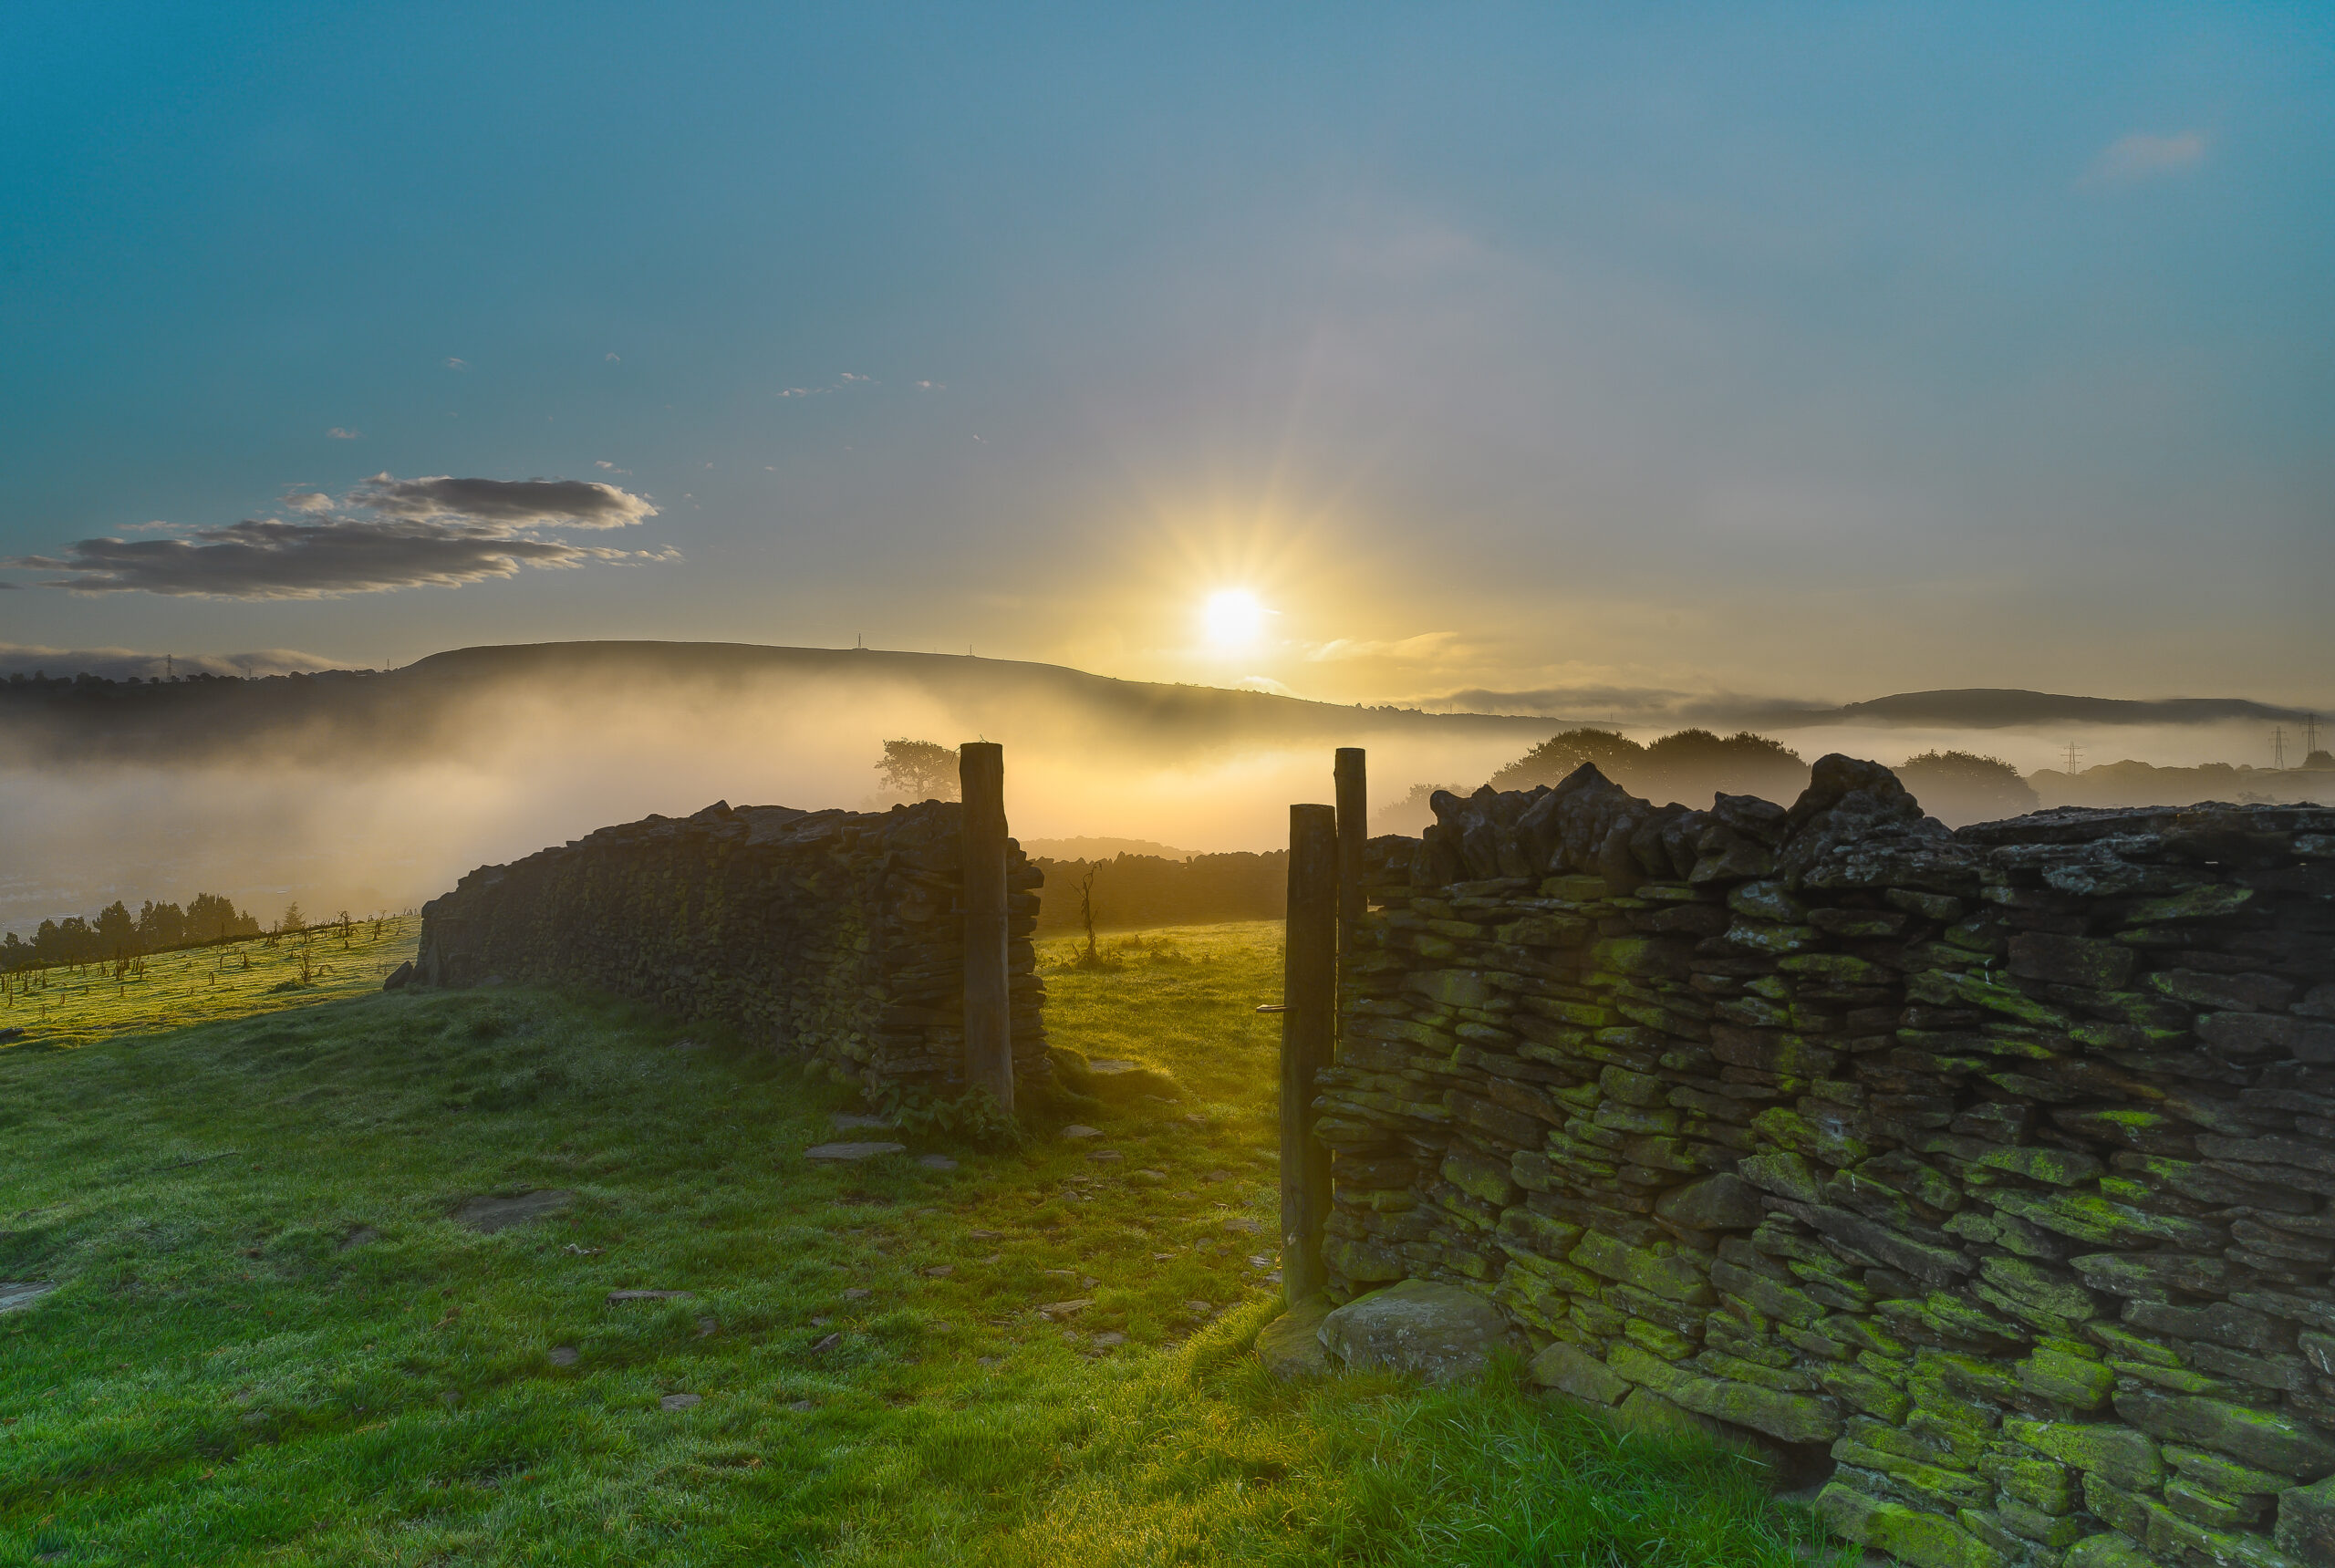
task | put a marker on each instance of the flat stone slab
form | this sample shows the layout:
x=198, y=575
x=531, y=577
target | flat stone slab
x=1574, y=1371
x=488, y=1215
x=936, y=1162
x=841, y=1152
x=1291, y=1345
x=1076, y=1130
x=845, y=1121
x=616, y=1296
x=17, y=1294
x=1439, y=1332
x=679, y=1401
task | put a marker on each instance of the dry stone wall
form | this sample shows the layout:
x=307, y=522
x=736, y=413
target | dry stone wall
x=1994, y=1166
x=835, y=934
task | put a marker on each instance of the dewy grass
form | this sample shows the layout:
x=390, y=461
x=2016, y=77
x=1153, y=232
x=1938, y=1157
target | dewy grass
x=270, y=1340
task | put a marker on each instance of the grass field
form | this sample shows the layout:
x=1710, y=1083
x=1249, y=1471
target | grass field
x=78, y=1005
x=270, y=1343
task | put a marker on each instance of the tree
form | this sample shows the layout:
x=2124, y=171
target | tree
x=161, y=926
x=291, y=921
x=212, y=916
x=919, y=770
x=1692, y=765
x=117, y=930
x=1959, y=787
x=1411, y=815
x=1615, y=754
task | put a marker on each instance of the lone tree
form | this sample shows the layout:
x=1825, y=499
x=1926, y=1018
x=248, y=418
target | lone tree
x=1961, y=787
x=919, y=770
x=1615, y=754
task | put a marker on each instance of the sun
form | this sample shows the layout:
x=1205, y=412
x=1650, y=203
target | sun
x=1234, y=619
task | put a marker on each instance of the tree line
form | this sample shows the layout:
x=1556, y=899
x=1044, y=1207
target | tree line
x=114, y=933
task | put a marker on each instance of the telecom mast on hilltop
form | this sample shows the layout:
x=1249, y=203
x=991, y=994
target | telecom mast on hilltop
x=2279, y=748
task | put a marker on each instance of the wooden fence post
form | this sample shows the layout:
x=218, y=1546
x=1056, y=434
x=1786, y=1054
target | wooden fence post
x=1354, y=832
x=1308, y=1029
x=989, y=1025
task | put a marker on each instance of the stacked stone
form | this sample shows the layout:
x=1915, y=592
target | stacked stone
x=1994, y=1167
x=837, y=935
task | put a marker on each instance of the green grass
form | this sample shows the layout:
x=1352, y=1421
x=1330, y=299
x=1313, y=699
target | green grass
x=78, y=1004
x=270, y=1343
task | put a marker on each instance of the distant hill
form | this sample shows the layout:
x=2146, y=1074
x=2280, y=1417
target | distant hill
x=1999, y=708
x=342, y=714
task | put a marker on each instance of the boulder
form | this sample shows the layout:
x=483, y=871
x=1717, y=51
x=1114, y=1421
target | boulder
x=1442, y=1332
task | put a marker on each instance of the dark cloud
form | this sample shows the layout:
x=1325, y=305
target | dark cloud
x=511, y=502
x=439, y=531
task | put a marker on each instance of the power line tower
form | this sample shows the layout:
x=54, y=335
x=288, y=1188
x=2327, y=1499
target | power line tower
x=2279, y=748
x=2309, y=735
x=2073, y=757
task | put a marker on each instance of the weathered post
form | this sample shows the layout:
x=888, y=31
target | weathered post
x=1308, y=1025
x=1354, y=832
x=988, y=1028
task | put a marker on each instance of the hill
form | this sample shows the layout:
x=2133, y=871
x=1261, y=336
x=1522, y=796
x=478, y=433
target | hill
x=338, y=715
x=2003, y=707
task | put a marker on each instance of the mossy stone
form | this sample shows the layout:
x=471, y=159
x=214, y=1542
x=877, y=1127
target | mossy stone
x=1672, y=1276
x=2060, y=1167
x=2053, y=1290
x=1866, y=1391
x=1922, y=1540
x=1480, y=1178
x=1785, y=1174
x=2075, y=1381
x=2107, y=1552
x=2260, y=1438
x=2225, y=1474
x=1576, y=1372
x=2126, y=1457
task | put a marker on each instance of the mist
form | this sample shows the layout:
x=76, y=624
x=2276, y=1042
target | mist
x=348, y=799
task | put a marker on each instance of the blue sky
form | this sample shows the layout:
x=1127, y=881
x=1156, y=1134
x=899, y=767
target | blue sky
x=1821, y=351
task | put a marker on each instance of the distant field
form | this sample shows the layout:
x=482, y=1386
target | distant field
x=271, y=1340
x=74, y=1006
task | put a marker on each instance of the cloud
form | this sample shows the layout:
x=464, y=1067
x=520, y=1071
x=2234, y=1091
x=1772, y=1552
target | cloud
x=266, y=559
x=120, y=663
x=612, y=359
x=451, y=363
x=507, y=503
x=1261, y=683
x=437, y=532
x=1426, y=645
x=2141, y=156
x=338, y=433
x=933, y=386
x=298, y=500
